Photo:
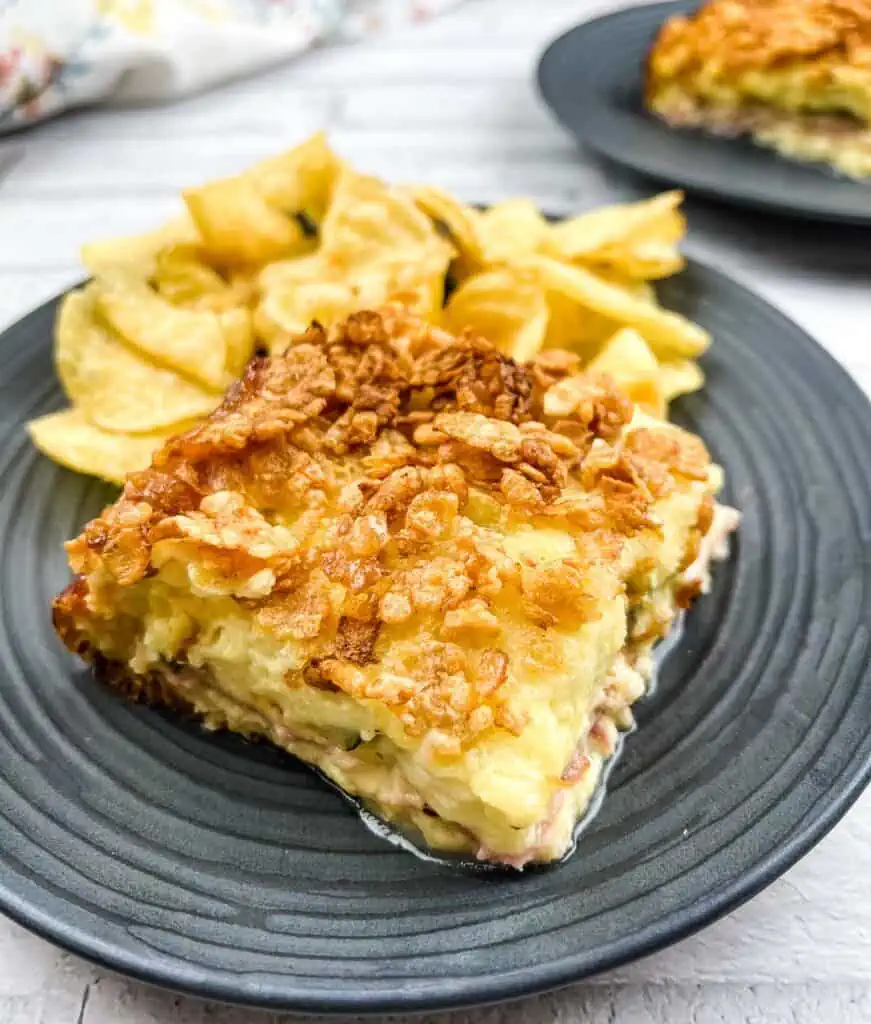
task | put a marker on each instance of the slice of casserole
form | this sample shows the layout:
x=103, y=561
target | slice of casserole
x=793, y=74
x=433, y=573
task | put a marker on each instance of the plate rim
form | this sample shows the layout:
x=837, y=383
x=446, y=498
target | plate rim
x=752, y=199
x=219, y=985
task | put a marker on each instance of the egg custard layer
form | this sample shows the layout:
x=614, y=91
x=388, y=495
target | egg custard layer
x=431, y=572
x=793, y=74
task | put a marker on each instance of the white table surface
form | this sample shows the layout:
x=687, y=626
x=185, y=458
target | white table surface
x=452, y=102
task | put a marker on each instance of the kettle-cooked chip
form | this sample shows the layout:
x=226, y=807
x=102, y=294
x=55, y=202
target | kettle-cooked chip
x=300, y=180
x=115, y=387
x=628, y=360
x=182, y=276
x=252, y=218
x=237, y=326
x=369, y=222
x=239, y=226
x=629, y=240
x=187, y=340
x=590, y=233
x=420, y=289
x=508, y=307
x=461, y=222
x=641, y=290
x=70, y=439
x=644, y=261
x=295, y=293
x=669, y=334
x=511, y=228
x=574, y=327
x=680, y=377
x=376, y=247
x=138, y=252
x=185, y=280
x=288, y=273
x=288, y=309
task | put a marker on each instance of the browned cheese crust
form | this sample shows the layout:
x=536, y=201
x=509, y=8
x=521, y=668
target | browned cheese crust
x=382, y=444
x=727, y=37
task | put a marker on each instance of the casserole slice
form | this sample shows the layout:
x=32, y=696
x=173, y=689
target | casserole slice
x=433, y=573
x=795, y=75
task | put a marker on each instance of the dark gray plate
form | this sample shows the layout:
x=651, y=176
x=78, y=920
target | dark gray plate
x=591, y=78
x=227, y=870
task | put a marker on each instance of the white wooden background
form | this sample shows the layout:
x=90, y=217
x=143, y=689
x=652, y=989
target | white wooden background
x=453, y=102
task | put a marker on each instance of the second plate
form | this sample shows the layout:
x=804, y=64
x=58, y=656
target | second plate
x=592, y=80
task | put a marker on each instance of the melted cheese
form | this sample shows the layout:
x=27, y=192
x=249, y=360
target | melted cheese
x=502, y=790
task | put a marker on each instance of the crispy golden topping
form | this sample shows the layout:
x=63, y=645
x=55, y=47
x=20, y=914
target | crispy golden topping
x=728, y=36
x=355, y=495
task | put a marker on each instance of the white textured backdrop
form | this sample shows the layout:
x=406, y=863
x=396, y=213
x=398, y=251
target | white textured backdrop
x=453, y=102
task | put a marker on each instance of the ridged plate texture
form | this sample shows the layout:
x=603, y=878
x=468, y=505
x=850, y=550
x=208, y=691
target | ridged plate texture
x=225, y=869
x=592, y=80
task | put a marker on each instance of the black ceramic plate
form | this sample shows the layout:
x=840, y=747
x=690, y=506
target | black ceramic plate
x=591, y=78
x=228, y=870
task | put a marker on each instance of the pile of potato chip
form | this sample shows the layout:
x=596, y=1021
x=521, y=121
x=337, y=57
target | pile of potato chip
x=169, y=319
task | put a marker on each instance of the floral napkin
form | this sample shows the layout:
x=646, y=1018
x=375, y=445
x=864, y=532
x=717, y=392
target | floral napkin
x=57, y=54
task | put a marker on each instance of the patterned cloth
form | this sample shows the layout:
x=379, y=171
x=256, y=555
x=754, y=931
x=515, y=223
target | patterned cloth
x=57, y=54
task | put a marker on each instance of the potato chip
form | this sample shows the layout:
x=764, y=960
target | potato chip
x=669, y=334
x=512, y=228
x=643, y=261
x=507, y=306
x=376, y=247
x=286, y=273
x=462, y=222
x=419, y=287
x=138, y=251
x=237, y=326
x=369, y=222
x=116, y=388
x=186, y=340
x=242, y=282
x=641, y=290
x=628, y=360
x=183, y=278
x=252, y=218
x=573, y=327
x=680, y=377
x=239, y=226
x=295, y=294
x=286, y=311
x=300, y=180
x=609, y=226
x=70, y=439
x=636, y=241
